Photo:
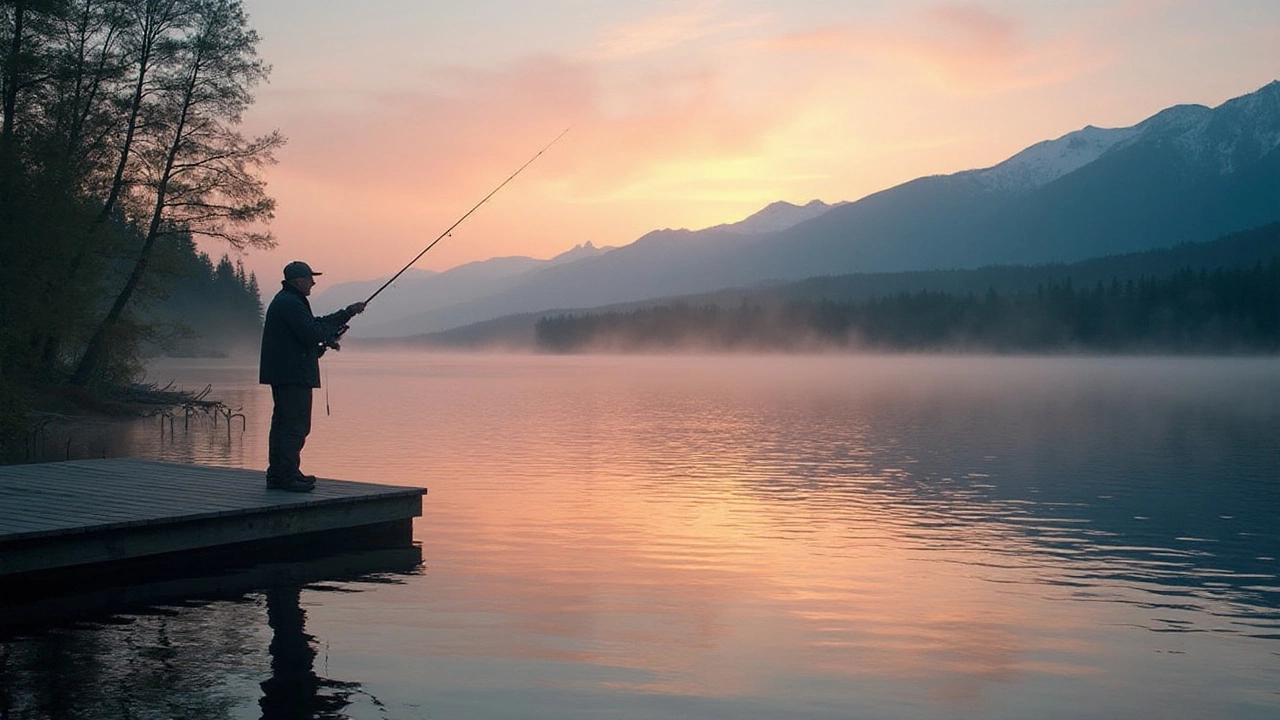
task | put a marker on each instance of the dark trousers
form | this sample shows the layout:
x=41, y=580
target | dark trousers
x=290, y=425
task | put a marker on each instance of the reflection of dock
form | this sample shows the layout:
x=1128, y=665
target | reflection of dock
x=29, y=611
x=94, y=517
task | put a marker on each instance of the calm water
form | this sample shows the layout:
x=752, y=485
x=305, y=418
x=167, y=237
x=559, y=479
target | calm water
x=826, y=537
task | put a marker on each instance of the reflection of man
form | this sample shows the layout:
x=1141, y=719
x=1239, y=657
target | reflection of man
x=293, y=690
x=292, y=342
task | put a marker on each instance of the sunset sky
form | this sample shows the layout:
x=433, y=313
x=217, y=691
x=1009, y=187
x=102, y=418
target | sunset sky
x=402, y=114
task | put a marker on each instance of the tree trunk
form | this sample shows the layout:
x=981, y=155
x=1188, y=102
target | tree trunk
x=135, y=107
x=11, y=78
x=95, y=351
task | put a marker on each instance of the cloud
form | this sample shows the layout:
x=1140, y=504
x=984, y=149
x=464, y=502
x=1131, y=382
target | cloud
x=653, y=34
x=970, y=32
x=701, y=28
x=967, y=49
x=728, y=124
x=959, y=49
x=468, y=128
x=400, y=166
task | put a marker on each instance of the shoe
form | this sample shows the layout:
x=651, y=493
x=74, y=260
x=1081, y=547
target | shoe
x=299, y=483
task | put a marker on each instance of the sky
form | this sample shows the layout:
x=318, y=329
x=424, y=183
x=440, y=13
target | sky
x=401, y=115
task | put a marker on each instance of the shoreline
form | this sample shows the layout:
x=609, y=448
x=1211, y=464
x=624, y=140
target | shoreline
x=45, y=424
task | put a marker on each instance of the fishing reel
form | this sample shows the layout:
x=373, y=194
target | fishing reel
x=332, y=340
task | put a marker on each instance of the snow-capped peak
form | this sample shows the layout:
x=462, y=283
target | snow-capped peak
x=1232, y=135
x=1047, y=161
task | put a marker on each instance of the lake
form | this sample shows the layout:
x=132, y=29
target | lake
x=735, y=537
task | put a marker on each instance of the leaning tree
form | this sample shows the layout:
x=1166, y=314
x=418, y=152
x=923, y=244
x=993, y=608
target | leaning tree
x=186, y=168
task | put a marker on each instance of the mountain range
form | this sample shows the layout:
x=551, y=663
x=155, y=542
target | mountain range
x=1188, y=173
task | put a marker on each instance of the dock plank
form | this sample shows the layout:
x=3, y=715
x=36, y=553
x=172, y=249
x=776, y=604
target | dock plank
x=55, y=514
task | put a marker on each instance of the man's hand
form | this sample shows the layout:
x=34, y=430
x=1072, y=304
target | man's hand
x=355, y=308
x=335, y=334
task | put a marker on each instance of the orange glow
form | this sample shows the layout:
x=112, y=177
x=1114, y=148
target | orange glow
x=721, y=561
x=700, y=567
x=689, y=118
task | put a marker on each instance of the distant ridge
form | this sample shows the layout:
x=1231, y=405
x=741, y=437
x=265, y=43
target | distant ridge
x=1237, y=250
x=426, y=288
x=777, y=216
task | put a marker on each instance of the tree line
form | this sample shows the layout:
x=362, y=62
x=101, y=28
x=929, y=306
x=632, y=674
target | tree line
x=119, y=148
x=212, y=309
x=1233, y=309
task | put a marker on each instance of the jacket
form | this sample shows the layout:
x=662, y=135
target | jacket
x=293, y=339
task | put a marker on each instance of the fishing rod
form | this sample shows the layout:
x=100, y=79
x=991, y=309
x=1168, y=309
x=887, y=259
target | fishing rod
x=445, y=234
x=333, y=341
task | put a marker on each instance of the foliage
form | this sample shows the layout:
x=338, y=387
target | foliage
x=1233, y=309
x=119, y=144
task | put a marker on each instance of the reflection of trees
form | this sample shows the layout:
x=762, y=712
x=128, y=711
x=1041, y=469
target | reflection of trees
x=199, y=651
x=197, y=663
x=169, y=664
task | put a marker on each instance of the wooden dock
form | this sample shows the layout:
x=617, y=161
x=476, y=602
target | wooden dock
x=80, y=515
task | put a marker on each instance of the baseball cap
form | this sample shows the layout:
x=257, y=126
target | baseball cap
x=297, y=269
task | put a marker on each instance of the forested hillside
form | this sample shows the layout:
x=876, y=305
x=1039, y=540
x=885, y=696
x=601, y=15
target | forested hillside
x=1242, y=249
x=209, y=310
x=1225, y=310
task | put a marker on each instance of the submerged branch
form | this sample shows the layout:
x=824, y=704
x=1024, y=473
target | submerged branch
x=152, y=400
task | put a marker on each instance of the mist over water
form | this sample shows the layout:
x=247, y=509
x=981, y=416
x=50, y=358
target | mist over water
x=763, y=537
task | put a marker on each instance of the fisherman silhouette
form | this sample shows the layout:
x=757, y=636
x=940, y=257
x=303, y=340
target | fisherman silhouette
x=293, y=692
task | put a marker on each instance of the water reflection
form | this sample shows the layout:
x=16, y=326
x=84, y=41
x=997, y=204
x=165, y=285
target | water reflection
x=803, y=537
x=176, y=664
x=294, y=691
x=195, y=648
x=957, y=530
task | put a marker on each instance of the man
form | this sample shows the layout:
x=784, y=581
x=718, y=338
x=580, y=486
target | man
x=292, y=342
